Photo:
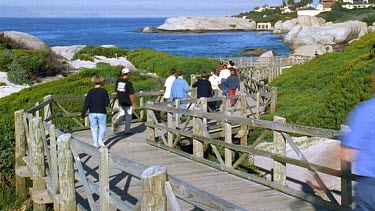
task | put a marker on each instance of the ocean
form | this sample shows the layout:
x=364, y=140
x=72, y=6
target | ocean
x=122, y=32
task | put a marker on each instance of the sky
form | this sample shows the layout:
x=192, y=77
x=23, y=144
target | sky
x=128, y=8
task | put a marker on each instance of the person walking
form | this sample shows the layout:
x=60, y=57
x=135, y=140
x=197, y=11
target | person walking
x=96, y=101
x=203, y=86
x=232, y=83
x=224, y=74
x=126, y=100
x=168, y=85
x=215, y=85
x=180, y=89
x=358, y=145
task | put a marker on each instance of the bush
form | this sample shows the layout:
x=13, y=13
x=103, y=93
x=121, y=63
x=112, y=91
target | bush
x=6, y=58
x=87, y=53
x=18, y=74
x=369, y=19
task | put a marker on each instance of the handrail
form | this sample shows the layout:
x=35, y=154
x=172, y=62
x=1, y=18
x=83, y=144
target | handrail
x=200, y=137
x=43, y=140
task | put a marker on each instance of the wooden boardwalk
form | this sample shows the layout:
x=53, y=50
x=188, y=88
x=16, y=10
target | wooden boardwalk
x=244, y=193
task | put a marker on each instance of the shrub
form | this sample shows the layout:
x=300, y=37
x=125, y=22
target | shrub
x=87, y=53
x=6, y=57
x=369, y=19
x=18, y=74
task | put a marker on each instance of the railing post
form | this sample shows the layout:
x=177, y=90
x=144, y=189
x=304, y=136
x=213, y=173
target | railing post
x=104, y=179
x=197, y=130
x=141, y=104
x=279, y=147
x=177, y=105
x=66, y=173
x=48, y=108
x=346, y=184
x=170, y=125
x=54, y=164
x=37, y=162
x=20, y=152
x=153, y=188
x=257, y=115
x=244, y=127
x=273, y=99
x=150, y=130
x=228, y=139
x=37, y=113
x=204, y=108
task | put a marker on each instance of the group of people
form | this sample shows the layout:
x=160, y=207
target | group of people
x=223, y=79
x=96, y=101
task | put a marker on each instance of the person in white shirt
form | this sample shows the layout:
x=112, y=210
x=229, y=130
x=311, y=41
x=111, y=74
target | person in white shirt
x=168, y=85
x=224, y=74
x=215, y=82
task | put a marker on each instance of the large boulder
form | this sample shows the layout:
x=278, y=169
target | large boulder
x=285, y=27
x=340, y=33
x=26, y=41
x=188, y=23
x=67, y=51
x=312, y=50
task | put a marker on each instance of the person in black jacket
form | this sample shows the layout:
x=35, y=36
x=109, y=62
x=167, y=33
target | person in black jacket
x=96, y=101
x=126, y=100
x=204, y=88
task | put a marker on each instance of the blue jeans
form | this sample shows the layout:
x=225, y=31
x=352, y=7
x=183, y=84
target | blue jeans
x=224, y=87
x=364, y=197
x=98, y=121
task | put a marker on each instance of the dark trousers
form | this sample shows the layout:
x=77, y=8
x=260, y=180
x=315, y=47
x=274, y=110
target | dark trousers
x=365, y=194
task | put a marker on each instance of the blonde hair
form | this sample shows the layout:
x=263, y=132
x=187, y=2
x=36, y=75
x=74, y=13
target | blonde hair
x=96, y=80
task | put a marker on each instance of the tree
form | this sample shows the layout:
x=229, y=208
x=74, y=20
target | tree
x=291, y=2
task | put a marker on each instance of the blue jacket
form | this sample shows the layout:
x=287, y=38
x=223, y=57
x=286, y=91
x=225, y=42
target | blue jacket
x=180, y=89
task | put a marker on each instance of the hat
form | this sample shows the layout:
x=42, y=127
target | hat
x=125, y=70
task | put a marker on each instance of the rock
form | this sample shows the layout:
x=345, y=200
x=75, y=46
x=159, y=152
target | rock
x=146, y=30
x=67, y=51
x=201, y=24
x=26, y=40
x=285, y=27
x=257, y=51
x=311, y=50
x=340, y=33
x=268, y=54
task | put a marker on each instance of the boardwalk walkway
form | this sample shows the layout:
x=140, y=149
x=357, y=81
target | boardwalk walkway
x=244, y=193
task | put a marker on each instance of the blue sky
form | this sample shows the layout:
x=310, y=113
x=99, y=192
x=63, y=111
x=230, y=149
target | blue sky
x=127, y=8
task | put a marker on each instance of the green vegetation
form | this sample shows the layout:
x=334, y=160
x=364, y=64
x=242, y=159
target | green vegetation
x=271, y=16
x=161, y=63
x=322, y=92
x=89, y=52
x=24, y=66
x=339, y=14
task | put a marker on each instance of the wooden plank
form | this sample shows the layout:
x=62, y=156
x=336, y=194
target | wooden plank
x=199, y=197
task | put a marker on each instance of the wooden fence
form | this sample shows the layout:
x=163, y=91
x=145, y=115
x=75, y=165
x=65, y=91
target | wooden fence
x=51, y=159
x=165, y=135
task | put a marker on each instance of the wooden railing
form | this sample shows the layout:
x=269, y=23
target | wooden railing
x=52, y=160
x=167, y=136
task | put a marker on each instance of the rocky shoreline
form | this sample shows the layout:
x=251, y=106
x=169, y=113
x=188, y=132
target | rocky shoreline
x=308, y=35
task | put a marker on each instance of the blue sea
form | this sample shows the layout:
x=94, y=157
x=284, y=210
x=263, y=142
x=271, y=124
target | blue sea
x=121, y=32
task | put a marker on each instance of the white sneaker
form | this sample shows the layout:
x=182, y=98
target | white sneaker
x=101, y=144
